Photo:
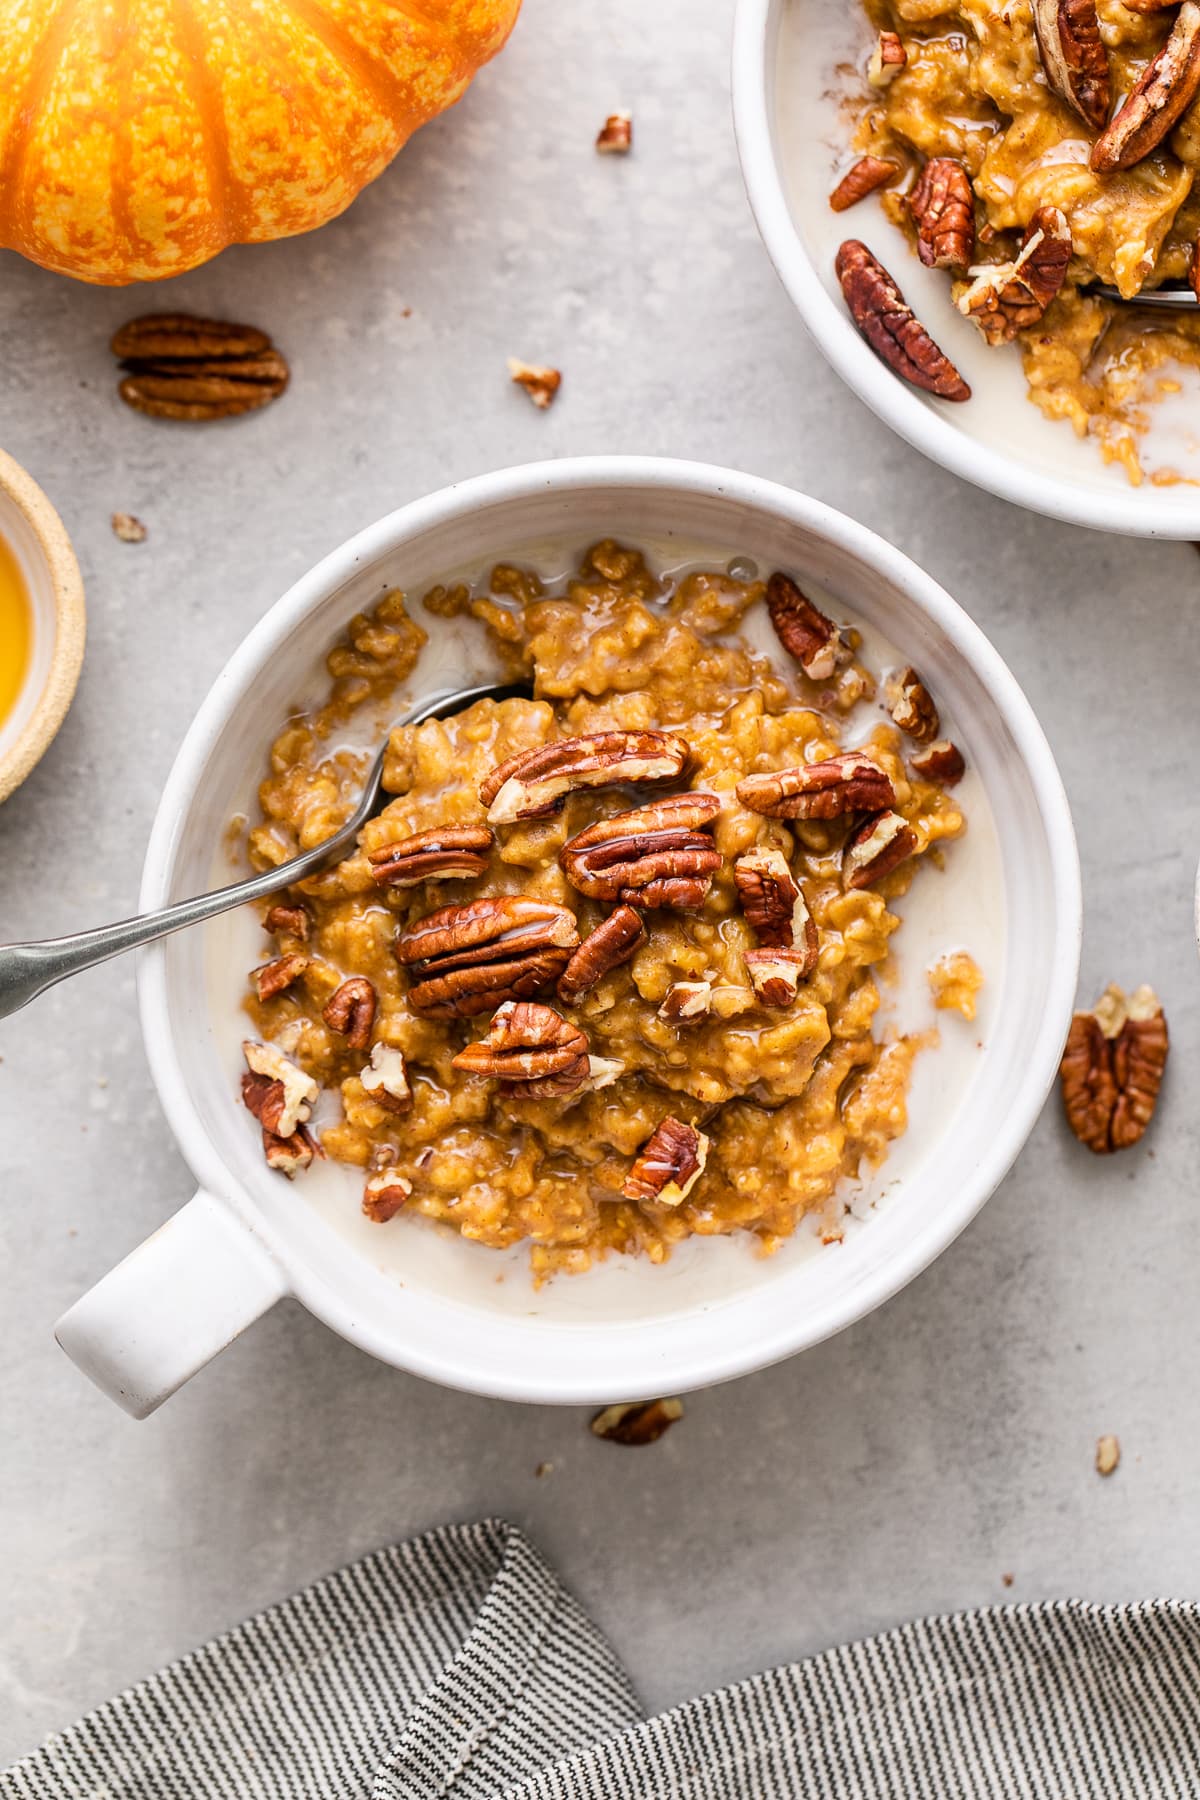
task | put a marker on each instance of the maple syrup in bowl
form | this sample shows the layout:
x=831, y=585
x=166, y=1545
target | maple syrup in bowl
x=41, y=624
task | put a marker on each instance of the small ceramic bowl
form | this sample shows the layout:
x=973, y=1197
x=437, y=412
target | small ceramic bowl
x=35, y=534
x=789, y=63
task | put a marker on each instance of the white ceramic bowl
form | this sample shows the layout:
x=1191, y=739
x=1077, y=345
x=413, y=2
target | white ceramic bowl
x=792, y=138
x=623, y=1330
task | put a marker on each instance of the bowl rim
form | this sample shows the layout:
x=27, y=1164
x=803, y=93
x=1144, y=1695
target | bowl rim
x=699, y=1363
x=70, y=625
x=918, y=421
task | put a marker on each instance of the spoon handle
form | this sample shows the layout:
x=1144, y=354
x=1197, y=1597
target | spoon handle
x=27, y=969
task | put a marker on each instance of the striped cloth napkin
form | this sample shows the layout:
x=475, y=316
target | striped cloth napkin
x=457, y=1667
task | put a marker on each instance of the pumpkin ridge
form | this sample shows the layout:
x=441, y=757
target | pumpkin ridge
x=372, y=72
x=13, y=153
x=228, y=196
x=133, y=243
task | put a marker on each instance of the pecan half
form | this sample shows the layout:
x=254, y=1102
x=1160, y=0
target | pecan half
x=657, y=855
x=351, y=1011
x=273, y=977
x=290, y=1155
x=1074, y=57
x=886, y=60
x=867, y=174
x=293, y=920
x=385, y=1078
x=878, y=846
x=541, y=384
x=848, y=782
x=776, y=975
x=1157, y=100
x=941, y=762
x=635, y=1423
x=282, y=1111
x=536, y=782
x=686, y=1003
x=445, y=853
x=1113, y=1067
x=668, y=1165
x=912, y=706
x=467, y=959
x=942, y=205
x=179, y=367
x=803, y=629
x=612, y=943
x=384, y=1193
x=772, y=901
x=615, y=137
x=891, y=327
x=1006, y=298
x=530, y=1049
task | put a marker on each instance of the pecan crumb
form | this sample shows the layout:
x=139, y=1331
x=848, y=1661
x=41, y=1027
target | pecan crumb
x=541, y=384
x=913, y=708
x=1108, y=1454
x=636, y=1422
x=129, y=529
x=886, y=60
x=384, y=1194
x=615, y=137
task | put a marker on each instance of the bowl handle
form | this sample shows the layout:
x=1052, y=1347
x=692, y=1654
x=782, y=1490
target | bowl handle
x=174, y=1302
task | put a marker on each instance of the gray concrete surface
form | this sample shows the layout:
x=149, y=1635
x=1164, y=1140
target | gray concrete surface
x=902, y=1468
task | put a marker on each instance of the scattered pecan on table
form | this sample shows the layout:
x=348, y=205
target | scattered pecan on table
x=848, y=782
x=861, y=179
x=878, y=846
x=803, y=630
x=536, y=782
x=466, y=959
x=668, y=1165
x=612, y=943
x=1158, y=99
x=180, y=367
x=891, y=327
x=635, y=1423
x=530, y=1049
x=444, y=853
x=351, y=1011
x=541, y=384
x=1073, y=56
x=1113, y=1067
x=656, y=855
x=1009, y=297
x=615, y=137
x=942, y=205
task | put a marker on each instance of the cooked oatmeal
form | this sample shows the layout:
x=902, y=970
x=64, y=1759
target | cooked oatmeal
x=966, y=82
x=649, y=1013
x=955, y=980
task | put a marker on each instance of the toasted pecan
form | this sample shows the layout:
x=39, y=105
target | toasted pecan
x=656, y=855
x=273, y=977
x=803, y=629
x=861, y=179
x=1074, y=57
x=1112, y=1068
x=443, y=853
x=467, y=959
x=879, y=845
x=536, y=782
x=942, y=205
x=668, y=1165
x=1158, y=99
x=890, y=326
x=351, y=1011
x=849, y=782
x=610, y=944
x=530, y=1049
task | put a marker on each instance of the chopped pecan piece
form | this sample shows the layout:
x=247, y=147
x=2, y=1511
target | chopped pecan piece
x=384, y=1193
x=657, y=855
x=351, y=1011
x=467, y=959
x=1108, y=1454
x=292, y=1106
x=1113, y=1067
x=445, y=853
x=615, y=137
x=612, y=943
x=878, y=846
x=686, y=1003
x=1158, y=99
x=848, y=782
x=274, y=977
x=385, y=1078
x=1006, y=298
x=602, y=1072
x=668, y=1165
x=772, y=901
x=1074, y=57
x=129, y=529
x=803, y=629
x=867, y=174
x=530, y=1049
x=912, y=706
x=776, y=975
x=290, y=1155
x=942, y=205
x=292, y=920
x=536, y=782
x=1194, y=269
x=636, y=1422
x=941, y=762
x=891, y=327
x=541, y=384
x=886, y=60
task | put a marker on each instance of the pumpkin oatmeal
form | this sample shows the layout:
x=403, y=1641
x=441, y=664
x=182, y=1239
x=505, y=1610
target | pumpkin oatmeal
x=602, y=974
x=1035, y=149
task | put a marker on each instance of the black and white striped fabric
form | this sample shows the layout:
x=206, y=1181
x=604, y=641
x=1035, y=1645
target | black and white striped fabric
x=458, y=1668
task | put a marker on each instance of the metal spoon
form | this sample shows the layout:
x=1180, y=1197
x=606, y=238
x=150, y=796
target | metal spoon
x=1178, y=299
x=27, y=969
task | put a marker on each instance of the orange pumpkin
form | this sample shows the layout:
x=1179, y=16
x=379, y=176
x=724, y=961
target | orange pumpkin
x=140, y=137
